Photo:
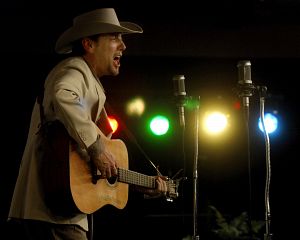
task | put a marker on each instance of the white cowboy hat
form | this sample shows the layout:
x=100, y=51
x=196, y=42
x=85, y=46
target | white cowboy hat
x=98, y=21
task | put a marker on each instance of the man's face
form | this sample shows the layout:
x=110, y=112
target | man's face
x=107, y=52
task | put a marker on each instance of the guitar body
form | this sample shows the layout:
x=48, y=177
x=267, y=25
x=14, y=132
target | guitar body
x=67, y=177
x=89, y=197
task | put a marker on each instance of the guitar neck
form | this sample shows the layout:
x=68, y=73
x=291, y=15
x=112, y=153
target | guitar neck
x=135, y=178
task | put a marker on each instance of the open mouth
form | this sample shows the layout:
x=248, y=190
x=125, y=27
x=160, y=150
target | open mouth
x=117, y=60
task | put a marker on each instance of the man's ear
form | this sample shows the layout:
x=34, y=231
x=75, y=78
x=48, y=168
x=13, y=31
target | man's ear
x=87, y=44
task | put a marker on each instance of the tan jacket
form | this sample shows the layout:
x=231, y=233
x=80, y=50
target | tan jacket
x=74, y=96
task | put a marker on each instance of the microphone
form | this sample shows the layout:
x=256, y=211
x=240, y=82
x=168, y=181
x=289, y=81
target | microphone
x=180, y=94
x=245, y=85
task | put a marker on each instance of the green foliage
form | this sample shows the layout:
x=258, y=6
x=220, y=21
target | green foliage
x=236, y=228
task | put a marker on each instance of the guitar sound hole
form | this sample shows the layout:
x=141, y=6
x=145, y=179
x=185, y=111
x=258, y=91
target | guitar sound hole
x=112, y=180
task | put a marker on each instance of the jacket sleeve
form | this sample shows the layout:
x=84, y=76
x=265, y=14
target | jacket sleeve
x=74, y=99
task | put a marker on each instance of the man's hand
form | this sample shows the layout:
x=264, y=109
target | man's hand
x=103, y=160
x=160, y=189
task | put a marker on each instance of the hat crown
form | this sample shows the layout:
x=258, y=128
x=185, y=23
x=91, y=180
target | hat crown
x=104, y=15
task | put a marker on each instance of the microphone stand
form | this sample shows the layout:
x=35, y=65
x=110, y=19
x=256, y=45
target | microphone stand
x=245, y=91
x=267, y=236
x=195, y=104
x=195, y=171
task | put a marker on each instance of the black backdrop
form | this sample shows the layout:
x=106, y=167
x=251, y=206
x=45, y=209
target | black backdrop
x=205, y=48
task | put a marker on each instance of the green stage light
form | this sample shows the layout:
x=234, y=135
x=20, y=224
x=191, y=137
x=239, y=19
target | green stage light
x=159, y=125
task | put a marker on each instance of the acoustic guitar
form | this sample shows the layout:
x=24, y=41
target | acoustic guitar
x=77, y=187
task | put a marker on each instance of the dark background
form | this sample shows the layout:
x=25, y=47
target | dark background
x=204, y=41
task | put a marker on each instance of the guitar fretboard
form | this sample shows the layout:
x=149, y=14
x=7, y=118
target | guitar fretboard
x=135, y=178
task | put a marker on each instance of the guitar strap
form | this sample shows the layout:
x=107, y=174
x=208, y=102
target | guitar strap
x=40, y=98
x=132, y=137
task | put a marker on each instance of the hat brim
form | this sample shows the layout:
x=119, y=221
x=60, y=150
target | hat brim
x=64, y=42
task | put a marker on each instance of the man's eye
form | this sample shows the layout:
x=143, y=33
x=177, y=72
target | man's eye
x=117, y=36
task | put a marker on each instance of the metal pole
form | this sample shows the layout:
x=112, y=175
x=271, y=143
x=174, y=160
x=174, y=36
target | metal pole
x=195, y=174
